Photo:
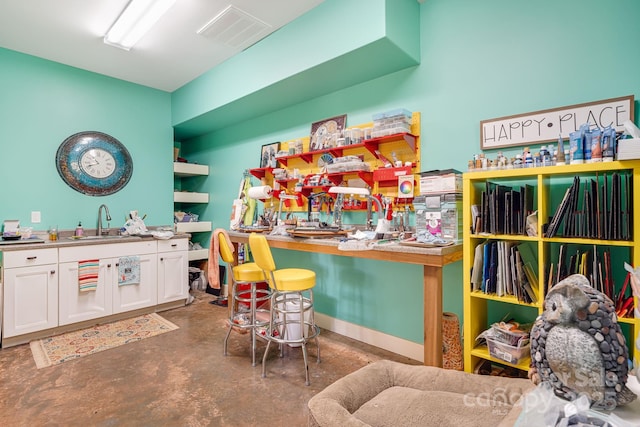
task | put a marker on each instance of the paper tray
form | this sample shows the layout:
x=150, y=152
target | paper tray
x=426, y=245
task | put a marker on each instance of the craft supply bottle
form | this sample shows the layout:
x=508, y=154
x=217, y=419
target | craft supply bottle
x=560, y=156
x=79, y=231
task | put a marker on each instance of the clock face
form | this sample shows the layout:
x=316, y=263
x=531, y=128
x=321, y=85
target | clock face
x=94, y=163
x=98, y=163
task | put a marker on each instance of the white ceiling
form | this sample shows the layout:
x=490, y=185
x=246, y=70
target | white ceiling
x=170, y=55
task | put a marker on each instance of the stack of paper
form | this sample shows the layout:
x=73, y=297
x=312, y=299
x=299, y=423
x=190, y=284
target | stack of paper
x=628, y=149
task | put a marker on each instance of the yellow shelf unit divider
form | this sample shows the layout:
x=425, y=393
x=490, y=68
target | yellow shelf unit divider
x=546, y=180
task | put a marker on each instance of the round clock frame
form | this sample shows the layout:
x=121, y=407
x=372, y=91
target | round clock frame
x=94, y=163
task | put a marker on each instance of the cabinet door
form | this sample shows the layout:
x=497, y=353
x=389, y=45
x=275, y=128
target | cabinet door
x=76, y=306
x=173, y=272
x=30, y=299
x=140, y=295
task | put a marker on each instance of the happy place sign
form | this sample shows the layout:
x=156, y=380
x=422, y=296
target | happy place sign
x=546, y=125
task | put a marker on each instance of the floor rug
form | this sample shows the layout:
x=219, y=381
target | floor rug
x=72, y=345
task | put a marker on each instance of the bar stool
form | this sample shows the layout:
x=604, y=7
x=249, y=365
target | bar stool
x=291, y=319
x=249, y=275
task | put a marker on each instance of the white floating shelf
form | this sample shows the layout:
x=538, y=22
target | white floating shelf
x=190, y=197
x=193, y=227
x=189, y=169
x=198, y=254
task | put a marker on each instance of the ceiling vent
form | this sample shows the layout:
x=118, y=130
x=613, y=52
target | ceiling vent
x=235, y=27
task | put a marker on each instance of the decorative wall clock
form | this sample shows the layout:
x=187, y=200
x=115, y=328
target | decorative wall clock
x=94, y=163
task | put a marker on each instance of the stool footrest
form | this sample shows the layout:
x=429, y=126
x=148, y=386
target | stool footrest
x=276, y=336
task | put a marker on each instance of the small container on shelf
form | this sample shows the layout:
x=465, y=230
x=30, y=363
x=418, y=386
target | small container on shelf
x=510, y=337
x=508, y=353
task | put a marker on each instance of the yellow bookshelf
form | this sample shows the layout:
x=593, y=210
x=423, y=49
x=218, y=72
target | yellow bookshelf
x=549, y=184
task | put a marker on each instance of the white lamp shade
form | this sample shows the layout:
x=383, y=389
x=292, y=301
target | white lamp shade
x=349, y=190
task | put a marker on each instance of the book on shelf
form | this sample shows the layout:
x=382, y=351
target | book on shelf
x=530, y=261
x=498, y=268
x=593, y=263
x=476, y=271
x=502, y=209
x=595, y=210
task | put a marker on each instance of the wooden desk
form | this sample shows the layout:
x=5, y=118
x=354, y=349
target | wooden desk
x=433, y=259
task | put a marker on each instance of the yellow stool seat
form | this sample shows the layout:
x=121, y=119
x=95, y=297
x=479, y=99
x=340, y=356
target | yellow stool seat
x=294, y=279
x=249, y=272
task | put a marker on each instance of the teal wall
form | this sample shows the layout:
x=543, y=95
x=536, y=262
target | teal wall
x=41, y=104
x=474, y=61
x=478, y=60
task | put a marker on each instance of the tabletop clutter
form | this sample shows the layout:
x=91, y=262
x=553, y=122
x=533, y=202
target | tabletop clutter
x=325, y=189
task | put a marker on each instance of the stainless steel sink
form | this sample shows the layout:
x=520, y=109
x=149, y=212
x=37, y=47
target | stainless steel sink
x=95, y=237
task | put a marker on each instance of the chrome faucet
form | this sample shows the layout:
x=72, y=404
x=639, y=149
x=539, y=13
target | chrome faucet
x=370, y=200
x=100, y=232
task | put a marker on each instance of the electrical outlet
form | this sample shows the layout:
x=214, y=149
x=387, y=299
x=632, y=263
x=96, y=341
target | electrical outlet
x=36, y=217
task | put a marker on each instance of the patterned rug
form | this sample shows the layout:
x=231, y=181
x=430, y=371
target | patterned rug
x=72, y=345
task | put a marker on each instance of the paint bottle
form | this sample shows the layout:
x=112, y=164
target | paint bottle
x=528, y=158
x=575, y=148
x=596, y=147
x=607, y=142
x=586, y=145
x=560, y=159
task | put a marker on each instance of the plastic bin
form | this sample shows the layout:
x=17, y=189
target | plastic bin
x=293, y=319
x=508, y=337
x=508, y=353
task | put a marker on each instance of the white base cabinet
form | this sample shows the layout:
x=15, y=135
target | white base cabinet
x=40, y=287
x=173, y=270
x=76, y=306
x=109, y=297
x=30, y=300
x=140, y=295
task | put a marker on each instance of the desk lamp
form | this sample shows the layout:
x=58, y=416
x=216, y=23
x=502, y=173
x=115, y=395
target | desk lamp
x=337, y=212
x=283, y=196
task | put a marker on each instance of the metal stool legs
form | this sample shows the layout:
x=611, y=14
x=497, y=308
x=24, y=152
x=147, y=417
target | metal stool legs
x=253, y=323
x=283, y=306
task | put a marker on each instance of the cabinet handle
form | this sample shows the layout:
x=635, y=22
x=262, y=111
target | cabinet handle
x=31, y=258
x=117, y=264
x=53, y=272
x=161, y=259
x=174, y=245
x=108, y=265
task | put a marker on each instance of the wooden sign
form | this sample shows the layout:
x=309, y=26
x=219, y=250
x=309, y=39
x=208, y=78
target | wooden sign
x=546, y=125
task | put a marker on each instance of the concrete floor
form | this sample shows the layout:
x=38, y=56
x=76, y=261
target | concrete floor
x=180, y=378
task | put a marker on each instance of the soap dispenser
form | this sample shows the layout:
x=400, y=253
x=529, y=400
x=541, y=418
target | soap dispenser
x=79, y=230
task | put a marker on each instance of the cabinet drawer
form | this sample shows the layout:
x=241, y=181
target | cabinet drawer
x=173, y=245
x=31, y=257
x=109, y=250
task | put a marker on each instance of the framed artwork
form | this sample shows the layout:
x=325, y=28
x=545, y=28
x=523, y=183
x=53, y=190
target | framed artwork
x=325, y=132
x=268, y=155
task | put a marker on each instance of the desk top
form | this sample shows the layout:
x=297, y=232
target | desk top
x=394, y=252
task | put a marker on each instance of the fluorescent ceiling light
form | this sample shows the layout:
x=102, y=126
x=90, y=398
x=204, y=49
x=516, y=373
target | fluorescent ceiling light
x=135, y=21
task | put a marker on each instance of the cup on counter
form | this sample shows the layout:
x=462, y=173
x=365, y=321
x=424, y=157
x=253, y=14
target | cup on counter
x=53, y=233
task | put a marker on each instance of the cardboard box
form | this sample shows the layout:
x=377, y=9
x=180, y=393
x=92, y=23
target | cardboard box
x=439, y=182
